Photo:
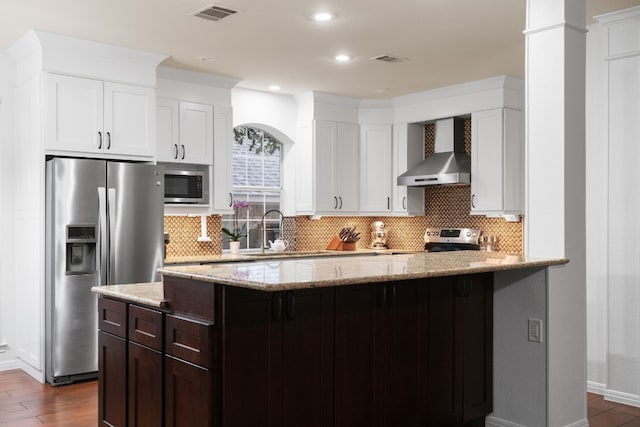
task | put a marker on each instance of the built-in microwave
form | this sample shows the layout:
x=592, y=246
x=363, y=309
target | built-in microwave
x=186, y=184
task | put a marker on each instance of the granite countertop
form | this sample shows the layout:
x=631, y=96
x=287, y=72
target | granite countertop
x=300, y=273
x=269, y=254
x=150, y=294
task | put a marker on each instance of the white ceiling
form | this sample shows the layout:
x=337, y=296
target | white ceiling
x=275, y=42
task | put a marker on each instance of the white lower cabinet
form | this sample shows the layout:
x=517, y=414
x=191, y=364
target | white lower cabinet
x=336, y=167
x=93, y=117
x=497, y=163
x=376, y=169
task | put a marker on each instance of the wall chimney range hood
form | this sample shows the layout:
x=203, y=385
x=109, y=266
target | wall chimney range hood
x=449, y=165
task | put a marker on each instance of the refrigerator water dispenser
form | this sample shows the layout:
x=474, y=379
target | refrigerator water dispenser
x=81, y=249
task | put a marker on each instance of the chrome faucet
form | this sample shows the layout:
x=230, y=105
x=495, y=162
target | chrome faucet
x=264, y=227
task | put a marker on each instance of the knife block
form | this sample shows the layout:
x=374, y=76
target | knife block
x=347, y=246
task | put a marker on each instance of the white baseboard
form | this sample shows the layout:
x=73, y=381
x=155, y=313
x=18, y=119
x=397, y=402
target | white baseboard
x=613, y=395
x=497, y=422
x=597, y=388
x=35, y=373
x=7, y=365
x=582, y=423
x=624, y=398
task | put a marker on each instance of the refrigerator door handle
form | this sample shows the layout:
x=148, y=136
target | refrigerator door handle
x=102, y=237
x=112, y=234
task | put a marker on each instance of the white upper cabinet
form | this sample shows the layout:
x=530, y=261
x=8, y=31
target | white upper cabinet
x=196, y=133
x=167, y=138
x=376, y=178
x=497, y=163
x=336, y=167
x=223, y=160
x=408, y=150
x=185, y=132
x=99, y=118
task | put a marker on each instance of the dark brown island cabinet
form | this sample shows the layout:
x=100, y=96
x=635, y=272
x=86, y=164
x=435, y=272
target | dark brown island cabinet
x=414, y=353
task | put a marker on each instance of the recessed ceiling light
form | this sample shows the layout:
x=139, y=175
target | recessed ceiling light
x=343, y=57
x=274, y=87
x=206, y=58
x=323, y=16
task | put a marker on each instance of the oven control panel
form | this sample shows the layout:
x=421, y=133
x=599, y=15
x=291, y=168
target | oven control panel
x=452, y=235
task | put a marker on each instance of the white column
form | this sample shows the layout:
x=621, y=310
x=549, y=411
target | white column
x=555, y=199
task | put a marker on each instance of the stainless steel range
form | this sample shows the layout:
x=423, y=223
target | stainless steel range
x=451, y=239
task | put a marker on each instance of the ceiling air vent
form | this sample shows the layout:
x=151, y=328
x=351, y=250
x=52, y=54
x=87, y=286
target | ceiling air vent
x=214, y=13
x=389, y=58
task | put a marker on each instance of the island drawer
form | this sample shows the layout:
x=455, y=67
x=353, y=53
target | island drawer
x=190, y=297
x=190, y=340
x=145, y=327
x=112, y=317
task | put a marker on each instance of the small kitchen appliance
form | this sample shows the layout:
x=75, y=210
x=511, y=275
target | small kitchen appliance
x=378, y=235
x=451, y=239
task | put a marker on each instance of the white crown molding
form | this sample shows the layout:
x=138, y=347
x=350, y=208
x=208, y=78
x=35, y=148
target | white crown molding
x=197, y=77
x=618, y=16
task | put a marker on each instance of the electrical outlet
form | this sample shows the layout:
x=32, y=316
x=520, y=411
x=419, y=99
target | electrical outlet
x=535, y=330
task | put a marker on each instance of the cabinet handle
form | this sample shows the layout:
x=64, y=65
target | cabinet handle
x=340, y=197
x=290, y=304
x=276, y=306
x=473, y=200
x=335, y=202
x=175, y=156
x=392, y=297
x=99, y=140
x=404, y=202
x=230, y=199
x=108, y=140
x=183, y=152
x=388, y=203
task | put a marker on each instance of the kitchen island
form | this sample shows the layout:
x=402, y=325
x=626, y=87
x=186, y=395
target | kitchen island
x=389, y=340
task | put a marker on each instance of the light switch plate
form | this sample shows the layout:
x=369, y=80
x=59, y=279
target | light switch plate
x=535, y=330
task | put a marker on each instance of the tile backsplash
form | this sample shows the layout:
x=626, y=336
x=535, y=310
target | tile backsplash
x=447, y=206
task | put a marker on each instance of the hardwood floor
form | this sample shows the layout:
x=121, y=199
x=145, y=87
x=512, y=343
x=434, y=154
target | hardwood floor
x=24, y=402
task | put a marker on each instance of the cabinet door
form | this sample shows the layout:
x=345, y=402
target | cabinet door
x=346, y=168
x=399, y=166
x=307, y=376
x=325, y=146
x=402, y=387
x=74, y=114
x=145, y=386
x=129, y=120
x=112, y=380
x=167, y=144
x=408, y=150
x=358, y=349
x=486, y=160
x=252, y=359
x=375, y=168
x=222, y=160
x=476, y=306
x=460, y=349
x=444, y=370
x=196, y=133
x=188, y=394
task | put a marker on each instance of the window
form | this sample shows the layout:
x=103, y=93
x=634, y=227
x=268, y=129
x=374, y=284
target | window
x=257, y=161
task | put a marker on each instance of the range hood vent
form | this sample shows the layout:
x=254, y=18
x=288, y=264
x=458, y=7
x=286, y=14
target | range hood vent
x=214, y=13
x=449, y=165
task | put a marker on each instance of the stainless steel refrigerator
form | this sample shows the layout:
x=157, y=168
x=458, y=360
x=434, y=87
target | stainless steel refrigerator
x=104, y=226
